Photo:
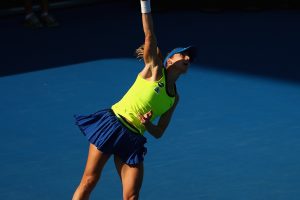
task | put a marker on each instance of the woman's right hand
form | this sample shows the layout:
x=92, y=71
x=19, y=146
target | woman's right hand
x=145, y=119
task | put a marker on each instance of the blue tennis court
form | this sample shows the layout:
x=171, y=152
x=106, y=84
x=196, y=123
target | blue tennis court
x=235, y=133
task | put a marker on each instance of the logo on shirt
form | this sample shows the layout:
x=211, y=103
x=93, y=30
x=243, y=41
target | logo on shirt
x=157, y=88
x=161, y=84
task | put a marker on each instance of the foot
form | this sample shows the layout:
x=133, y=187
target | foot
x=49, y=21
x=32, y=21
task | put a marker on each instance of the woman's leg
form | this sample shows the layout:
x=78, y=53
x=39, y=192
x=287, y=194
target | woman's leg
x=44, y=6
x=131, y=177
x=95, y=163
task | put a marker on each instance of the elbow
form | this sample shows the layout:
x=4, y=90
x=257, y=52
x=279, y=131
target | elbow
x=149, y=37
x=158, y=134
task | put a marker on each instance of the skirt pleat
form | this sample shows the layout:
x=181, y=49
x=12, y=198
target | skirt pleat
x=109, y=135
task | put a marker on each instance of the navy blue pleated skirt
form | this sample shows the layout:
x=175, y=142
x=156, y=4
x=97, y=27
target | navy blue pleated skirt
x=110, y=136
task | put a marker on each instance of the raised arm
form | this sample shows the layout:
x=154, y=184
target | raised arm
x=153, y=63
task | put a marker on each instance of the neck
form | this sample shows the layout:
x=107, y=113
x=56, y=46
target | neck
x=173, y=75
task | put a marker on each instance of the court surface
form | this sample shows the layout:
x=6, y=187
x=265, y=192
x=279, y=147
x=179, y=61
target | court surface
x=234, y=135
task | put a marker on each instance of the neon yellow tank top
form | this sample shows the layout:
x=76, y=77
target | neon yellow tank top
x=142, y=97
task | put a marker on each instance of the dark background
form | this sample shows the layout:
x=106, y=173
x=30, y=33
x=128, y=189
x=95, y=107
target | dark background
x=171, y=4
x=176, y=4
x=259, y=37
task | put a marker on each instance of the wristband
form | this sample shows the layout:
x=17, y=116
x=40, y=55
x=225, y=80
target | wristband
x=145, y=6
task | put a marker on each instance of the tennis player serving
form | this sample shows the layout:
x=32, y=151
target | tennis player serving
x=119, y=131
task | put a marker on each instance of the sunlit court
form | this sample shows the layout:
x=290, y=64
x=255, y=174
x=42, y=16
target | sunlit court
x=233, y=136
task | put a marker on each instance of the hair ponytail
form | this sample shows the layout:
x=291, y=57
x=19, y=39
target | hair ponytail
x=139, y=52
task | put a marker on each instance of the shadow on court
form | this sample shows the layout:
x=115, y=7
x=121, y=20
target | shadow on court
x=259, y=43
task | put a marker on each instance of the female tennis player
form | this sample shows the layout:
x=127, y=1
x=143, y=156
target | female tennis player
x=119, y=130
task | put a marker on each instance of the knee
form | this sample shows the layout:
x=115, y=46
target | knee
x=89, y=182
x=131, y=196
